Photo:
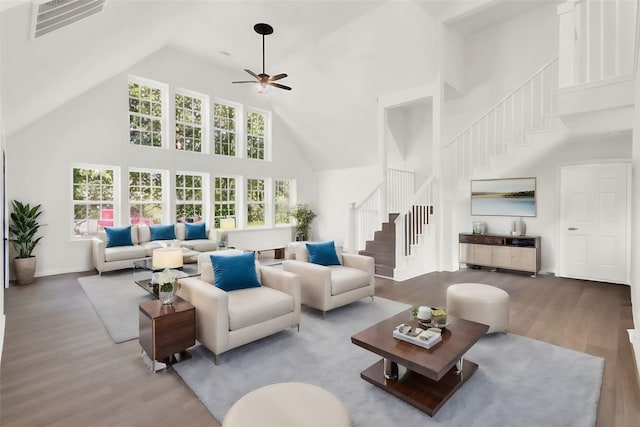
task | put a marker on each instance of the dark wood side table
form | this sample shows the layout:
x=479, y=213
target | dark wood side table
x=166, y=330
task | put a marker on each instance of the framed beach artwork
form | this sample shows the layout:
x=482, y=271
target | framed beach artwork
x=503, y=197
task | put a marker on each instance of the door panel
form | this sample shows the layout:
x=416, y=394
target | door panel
x=594, y=218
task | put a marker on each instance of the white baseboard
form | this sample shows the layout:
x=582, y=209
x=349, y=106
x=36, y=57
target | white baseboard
x=3, y=319
x=634, y=338
x=54, y=271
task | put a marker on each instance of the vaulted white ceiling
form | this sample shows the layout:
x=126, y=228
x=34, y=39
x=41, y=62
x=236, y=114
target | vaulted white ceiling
x=340, y=56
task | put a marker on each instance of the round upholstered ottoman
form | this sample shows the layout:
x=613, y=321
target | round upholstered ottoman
x=288, y=405
x=479, y=303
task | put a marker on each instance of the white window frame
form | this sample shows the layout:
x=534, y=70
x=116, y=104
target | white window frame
x=164, y=95
x=267, y=133
x=292, y=198
x=238, y=201
x=268, y=218
x=239, y=128
x=165, y=191
x=204, y=118
x=115, y=202
x=204, y=177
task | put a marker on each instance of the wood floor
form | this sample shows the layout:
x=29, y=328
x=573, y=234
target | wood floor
x=61, y=368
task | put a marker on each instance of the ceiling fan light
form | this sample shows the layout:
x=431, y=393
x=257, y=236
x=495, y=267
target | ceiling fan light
x=263, y=88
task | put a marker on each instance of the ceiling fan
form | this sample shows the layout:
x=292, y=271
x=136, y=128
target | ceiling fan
x=263, y=80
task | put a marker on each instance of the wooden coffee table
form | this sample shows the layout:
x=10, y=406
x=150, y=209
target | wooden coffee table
x=432, y=375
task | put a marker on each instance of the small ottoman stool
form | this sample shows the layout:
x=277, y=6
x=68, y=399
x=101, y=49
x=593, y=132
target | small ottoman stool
x=479, y=303
x=288, y=405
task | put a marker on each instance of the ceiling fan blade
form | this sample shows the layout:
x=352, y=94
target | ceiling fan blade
x=277, y=77
x=252, y=73
x=246, y=81
x=278, y=85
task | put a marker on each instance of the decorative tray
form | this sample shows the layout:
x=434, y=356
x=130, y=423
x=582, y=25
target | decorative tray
x=430, y=324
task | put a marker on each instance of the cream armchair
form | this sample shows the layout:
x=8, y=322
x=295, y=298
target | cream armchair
x=329, y=287
x=226, y=320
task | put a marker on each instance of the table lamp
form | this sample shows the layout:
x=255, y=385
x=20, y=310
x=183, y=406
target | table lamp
x=167, y=258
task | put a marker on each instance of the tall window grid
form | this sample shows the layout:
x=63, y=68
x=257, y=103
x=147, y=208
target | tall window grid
x=224, y=199
x=256, y=202
x=224, y=129
x=146, y=197
x=93, y=199
x=146, y=117
x=189, y=121
x=189, y=197
x=256, y=135
x=283, y=201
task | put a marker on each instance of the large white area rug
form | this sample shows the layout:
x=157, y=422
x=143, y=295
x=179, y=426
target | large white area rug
x=116, y=298
x=520, y=381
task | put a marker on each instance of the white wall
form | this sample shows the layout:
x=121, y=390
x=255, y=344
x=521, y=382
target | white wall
x=93, y=128
x=336, y=190
x=411, y=129
x=3, y=212
x=498, y=59
x=336, y=81
x=546, y=171
x=635, y=227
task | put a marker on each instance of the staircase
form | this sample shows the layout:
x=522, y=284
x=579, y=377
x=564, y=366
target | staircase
x=383, y=247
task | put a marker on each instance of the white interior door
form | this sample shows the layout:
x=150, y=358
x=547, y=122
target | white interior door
x=594, y=222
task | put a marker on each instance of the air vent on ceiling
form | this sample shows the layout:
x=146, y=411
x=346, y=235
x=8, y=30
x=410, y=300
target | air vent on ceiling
x=49, y=15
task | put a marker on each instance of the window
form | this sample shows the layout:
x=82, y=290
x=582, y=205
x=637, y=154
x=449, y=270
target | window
x=189, y=197
x=283, y=200
x=255, y=202
x=225, y=202
x=256, y=135
x=146, y=200
x=224, y=129
x=189, y=121
x=93, y=199
x=146, y=117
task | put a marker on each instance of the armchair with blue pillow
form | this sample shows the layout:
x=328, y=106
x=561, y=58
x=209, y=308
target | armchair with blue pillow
x=330, y=278
x=238, y=302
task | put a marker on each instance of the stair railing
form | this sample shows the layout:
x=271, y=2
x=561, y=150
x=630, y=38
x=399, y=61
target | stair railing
x=598, y=40
x=399, y=185
x=531, y=106
x=415, y=219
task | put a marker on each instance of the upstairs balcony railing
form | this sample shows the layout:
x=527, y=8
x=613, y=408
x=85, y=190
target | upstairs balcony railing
x=598, y=40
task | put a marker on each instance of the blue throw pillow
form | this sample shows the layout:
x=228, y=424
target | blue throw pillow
x=196, y=231
x=232, y=272
x=162, y=232
x=323, y=253
x=118, y=236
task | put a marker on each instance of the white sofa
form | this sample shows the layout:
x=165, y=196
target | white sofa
x=119, y=257
x=226, y=320
x=329, y=287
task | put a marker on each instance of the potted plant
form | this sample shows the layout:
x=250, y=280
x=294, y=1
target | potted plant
x=304, y=217
x=23, y=227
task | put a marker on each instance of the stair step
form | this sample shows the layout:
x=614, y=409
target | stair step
x=384, y=270
x=380, y=246
x=384, y=236
x=389, y=227
x=393, y=216
x=381, y=258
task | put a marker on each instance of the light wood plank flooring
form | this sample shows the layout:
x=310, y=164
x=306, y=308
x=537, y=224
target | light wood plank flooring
x=61, y=368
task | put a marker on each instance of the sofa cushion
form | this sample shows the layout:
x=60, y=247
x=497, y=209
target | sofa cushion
x=120, y=253
x=180, y=232
x=255, y=305
x=301, y=253
x=118, y=236
x=233, y=272
x=206, y=269
x=162, y=232
x=196, y=231
x=323, y=253
x=157, y=244
x=345, y=279
x=202, y=245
